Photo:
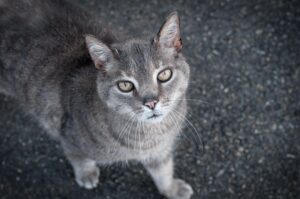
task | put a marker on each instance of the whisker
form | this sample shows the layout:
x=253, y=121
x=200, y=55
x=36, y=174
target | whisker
x=193, y=127
x=182, y=134
x=177, y=126
x=136, y=111
x=143, y=127
x=135, y=146
x=123, y=131
x=128, y=137
x=140, y=128
x=197, y=100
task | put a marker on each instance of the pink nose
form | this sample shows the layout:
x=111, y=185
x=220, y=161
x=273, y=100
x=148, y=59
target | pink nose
x=151, y=104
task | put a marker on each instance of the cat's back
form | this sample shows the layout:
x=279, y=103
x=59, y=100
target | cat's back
x=41, y=45
x=30, y=42
x=42, y=39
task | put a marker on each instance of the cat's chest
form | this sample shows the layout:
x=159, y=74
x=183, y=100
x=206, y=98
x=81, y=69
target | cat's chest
x=152, y=144
x=134, y=148
x=135, y=142
x=141, y=152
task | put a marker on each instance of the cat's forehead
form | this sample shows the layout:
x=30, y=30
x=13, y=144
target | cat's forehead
x=137, y=58
x=137, y=54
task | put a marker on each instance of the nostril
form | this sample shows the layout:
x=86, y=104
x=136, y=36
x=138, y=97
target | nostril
x=151, y=104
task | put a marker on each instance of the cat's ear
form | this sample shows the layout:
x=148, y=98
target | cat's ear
x=100, y=53
x=169, y=33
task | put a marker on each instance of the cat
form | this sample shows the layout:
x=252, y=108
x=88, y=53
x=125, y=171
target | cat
x=104, y=100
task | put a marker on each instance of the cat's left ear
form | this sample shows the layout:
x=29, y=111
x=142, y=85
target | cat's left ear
x=169, y=33
x=100, y=53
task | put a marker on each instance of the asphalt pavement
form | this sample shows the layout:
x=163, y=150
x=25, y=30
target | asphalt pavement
x=244, y=100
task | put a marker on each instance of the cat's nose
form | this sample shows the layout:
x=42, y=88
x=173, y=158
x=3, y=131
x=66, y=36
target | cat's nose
x=150, y=103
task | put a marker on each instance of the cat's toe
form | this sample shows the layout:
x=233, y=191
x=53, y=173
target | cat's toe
x=180, y=190
x=88, y=179
x=184, y=190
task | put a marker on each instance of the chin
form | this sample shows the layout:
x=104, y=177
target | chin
x=154, y=119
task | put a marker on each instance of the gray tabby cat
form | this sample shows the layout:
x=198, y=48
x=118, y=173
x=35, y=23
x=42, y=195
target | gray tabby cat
x=104, y=100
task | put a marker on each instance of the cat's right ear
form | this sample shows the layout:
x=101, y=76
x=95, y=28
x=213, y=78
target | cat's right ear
x=100, y=53
x=168, y=36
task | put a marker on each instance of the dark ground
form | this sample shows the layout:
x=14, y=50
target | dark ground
x=245, y=64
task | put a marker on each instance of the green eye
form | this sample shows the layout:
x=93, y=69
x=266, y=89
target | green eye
x=125, y=86
x=165, y=75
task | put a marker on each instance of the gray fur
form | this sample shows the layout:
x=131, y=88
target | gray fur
x=63, y=68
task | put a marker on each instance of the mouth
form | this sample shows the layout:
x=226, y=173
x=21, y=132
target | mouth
x=154, y=116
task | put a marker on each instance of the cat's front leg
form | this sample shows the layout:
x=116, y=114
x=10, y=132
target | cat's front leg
x=161, y=170
x=86, y=171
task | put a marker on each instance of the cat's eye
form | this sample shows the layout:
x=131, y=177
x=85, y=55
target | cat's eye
x=125, y=86
x=165, y=75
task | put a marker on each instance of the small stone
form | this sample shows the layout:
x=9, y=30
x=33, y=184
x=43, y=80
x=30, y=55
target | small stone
x=259, y=87
x=259, y=31
x=291, y=156
x=220, y=173
x=261, y=160
x=274, y=127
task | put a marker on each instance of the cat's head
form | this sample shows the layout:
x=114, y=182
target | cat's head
x=145, y=79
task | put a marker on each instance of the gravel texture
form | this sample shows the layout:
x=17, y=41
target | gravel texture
x=244, y=105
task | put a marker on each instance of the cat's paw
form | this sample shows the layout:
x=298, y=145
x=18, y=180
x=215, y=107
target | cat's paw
x=87, y=178
x=179, y=190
